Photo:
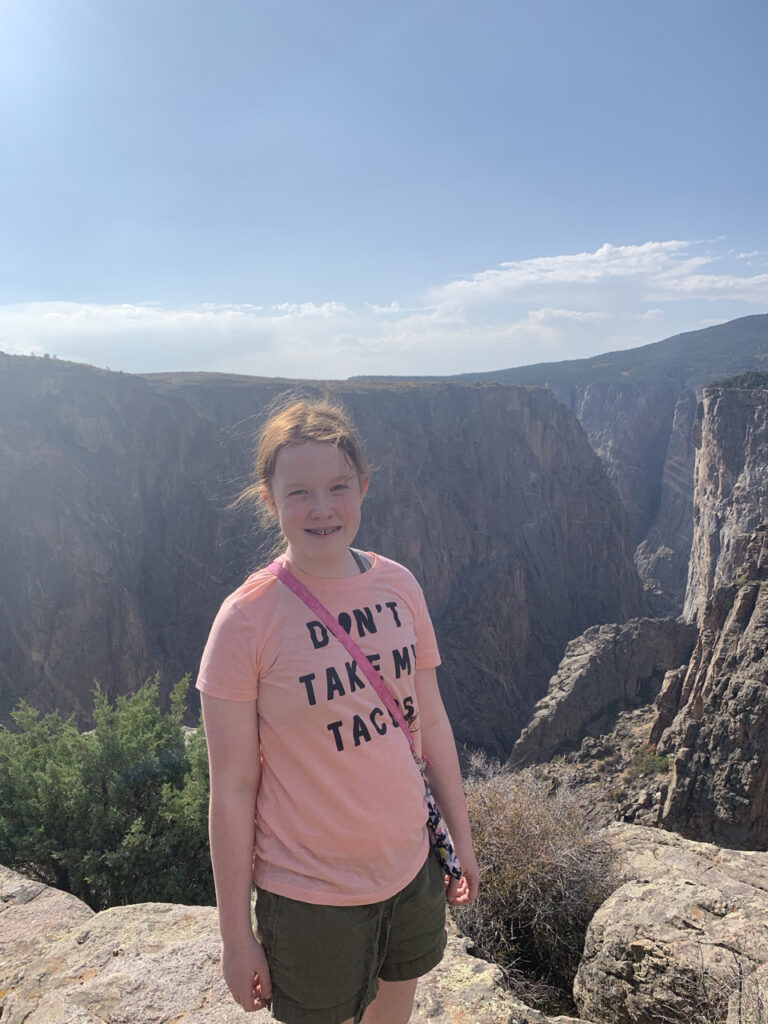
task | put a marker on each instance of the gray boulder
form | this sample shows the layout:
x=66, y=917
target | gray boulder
x=32, y=917
x=672, y=942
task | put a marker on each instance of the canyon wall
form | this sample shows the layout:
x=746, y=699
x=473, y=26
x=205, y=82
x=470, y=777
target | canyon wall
x=713, y=714
x=116, y=547
x=108, y=533
x=643, y=432
x=638, y=408
x=731, y=487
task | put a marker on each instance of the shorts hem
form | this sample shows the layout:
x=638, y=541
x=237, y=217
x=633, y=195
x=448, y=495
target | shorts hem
x=290, y=1013
x=415, y=968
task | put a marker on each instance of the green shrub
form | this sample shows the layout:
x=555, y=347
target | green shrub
x=645, y=761
x=542, y=877
x=115, y=816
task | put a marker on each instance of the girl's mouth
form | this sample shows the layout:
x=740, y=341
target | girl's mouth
x=324, y=531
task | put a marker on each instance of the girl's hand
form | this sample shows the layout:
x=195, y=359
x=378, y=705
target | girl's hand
x=246, y=973
x=459, y=892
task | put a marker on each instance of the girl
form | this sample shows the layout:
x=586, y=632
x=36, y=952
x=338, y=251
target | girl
x=350, y=903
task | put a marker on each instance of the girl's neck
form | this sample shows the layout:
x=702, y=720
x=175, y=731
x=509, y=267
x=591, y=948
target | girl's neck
x=341, y=569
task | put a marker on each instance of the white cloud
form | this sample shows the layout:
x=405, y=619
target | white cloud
x=584, y=269
x=714, y=286
x=582, y=316
x=310, y=309
x=536, y=310
x=393, y=307
x=649, y=314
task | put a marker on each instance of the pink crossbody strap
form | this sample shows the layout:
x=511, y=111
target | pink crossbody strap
x=344, y=638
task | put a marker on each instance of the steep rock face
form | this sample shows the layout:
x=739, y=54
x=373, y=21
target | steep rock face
x=638, y=407
x=606, y=670
x=117, y=550
x=674, y=940
x=629, y=425
x=662, y=556
x=108, y=533
x=713, y=716
x=731, y=487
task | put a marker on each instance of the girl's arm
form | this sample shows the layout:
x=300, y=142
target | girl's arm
x=444, y=777
x=232, y=732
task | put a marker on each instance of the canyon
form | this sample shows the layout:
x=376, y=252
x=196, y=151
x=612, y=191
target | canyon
x=533, y=507
x=117, y=544
x=597, y=570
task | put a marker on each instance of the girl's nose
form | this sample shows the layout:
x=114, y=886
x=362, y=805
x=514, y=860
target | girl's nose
x=321, y=506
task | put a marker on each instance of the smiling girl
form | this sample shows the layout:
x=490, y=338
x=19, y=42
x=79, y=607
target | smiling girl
x=350, y=903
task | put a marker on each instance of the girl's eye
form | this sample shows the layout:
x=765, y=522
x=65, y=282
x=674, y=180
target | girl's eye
x=296, y=494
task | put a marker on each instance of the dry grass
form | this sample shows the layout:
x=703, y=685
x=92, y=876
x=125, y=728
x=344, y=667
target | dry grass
x=543, y=875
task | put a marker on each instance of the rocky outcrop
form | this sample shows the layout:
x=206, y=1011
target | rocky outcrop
x=675, y=939
x=606, y=670
x=32, y=917
x=117, y=549
x=60, y=963
x=713, y=715
x=731, y=488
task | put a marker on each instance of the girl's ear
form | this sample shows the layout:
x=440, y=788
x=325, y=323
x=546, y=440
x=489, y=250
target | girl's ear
x=266, y=496
x=364, y=487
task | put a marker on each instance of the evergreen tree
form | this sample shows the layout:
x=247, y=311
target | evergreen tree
x=117, y=815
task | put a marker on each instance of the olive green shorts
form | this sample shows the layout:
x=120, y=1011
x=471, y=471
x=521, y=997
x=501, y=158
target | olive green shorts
x=326, y=961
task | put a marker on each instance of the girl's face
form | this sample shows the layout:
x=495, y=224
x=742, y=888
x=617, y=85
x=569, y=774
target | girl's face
x=316, y=495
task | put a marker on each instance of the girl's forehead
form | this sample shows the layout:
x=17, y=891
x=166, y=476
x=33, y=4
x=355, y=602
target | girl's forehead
x=314, y=458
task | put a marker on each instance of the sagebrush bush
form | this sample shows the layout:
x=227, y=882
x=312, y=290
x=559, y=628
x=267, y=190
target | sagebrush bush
x=542, y=877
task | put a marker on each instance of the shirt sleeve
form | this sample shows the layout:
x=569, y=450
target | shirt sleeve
x=228, y=668
x=427, y=653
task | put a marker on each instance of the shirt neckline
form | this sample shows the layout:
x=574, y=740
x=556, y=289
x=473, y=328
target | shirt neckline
x=316, y=581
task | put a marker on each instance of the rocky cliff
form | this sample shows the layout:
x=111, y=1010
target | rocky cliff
x=711, y=719
x=116, y=548
x=639, y=411
x=108, y=533
x=713, y=715
x=638, y=407
x=607, y=670
x=731, y=487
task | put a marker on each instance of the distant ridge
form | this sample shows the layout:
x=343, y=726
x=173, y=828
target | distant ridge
x=690, y=360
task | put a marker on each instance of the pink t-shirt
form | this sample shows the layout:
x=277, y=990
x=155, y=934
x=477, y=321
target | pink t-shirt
x=340, y=811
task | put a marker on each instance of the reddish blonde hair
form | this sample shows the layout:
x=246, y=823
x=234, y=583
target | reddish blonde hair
x=298, y=423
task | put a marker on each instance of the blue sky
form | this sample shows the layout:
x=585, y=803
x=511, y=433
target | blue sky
x=325, y=189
